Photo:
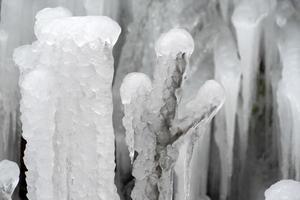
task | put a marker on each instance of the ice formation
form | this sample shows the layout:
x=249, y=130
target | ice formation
x=247, y=20
x=227, y=72
x=164, y=134
x=66, y=106
x=288, y=97
x=283, y=190
x=249, y=47
x=9, y=178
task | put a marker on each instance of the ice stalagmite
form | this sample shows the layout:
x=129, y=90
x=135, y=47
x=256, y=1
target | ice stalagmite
x=164, y=134
x=247, y=20
x=283, y=190
x=66, y=106
x=227, y=72
x=9, y=178
x=288, y=97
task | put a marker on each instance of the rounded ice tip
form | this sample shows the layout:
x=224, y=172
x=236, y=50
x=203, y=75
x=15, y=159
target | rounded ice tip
x=173, y=42
x=9, y=176
x=283, y=190
x=132, y=84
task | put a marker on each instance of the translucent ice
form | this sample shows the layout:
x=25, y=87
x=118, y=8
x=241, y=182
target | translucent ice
x=288, y=97
x=247, y=19
x=283, y=190
x=9, y=178
x=134, y=85
x=227, y=72
x=173, y=42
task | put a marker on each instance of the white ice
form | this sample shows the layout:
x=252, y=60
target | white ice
x=283, y=190
x=9, y=178
x=173, y=42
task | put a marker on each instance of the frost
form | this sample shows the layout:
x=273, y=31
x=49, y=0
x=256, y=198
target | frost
x=283, y=190
x=66, y=106
x=9, y=178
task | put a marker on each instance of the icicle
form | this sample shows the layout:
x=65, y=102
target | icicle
x=135, y=85
x=66, y=106
x=288, y=98
x=227, y=72
x=247, y=20
x=9, y=178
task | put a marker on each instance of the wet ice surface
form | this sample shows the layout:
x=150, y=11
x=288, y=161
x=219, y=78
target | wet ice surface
x=66, y=106
x=284, y=190
x=9, y=178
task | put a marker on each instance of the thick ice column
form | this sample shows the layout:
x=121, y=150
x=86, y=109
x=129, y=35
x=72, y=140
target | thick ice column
x=288, y=98
x=227, y=72
x=66, y=106
x=283, y=190
x=9, y=178
x=247, y=20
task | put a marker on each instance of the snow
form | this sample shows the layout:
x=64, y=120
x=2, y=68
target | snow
x=283, y=190
x=173, y=42
x=9, y=178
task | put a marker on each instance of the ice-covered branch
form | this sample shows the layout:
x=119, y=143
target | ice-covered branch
x=9, y=178
x=159, y=127
x=66, y=106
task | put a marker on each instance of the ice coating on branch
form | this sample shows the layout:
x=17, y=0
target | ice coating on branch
x=132, y=84
x=227, y=72
x=210, y=97
x=81, y=30
x=9, y=178
x=283, y=190
x=173, y=42
x=66, y=106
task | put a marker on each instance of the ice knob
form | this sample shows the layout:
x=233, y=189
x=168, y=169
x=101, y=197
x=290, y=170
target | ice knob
x=174, y=42
x=283, y=190
x=9, y=178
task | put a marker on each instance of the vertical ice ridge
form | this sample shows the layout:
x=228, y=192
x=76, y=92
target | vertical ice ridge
x=66, y=106
x=227, y=72
x=247, y=19
x=288, y=98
